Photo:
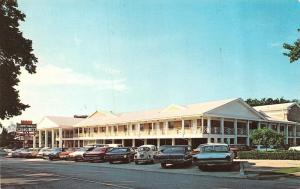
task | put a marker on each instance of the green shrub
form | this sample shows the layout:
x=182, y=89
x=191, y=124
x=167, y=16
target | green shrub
x=282, y=154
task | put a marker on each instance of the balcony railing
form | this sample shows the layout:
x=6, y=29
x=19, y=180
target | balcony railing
x=228, y=131
x=241, y=131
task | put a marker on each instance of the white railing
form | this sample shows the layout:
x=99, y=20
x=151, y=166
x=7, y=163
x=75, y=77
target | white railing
x=228, y=131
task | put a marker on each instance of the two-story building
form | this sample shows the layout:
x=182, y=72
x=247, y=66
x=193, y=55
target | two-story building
x=230, y=121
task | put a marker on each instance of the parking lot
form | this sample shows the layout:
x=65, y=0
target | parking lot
x=39, y=173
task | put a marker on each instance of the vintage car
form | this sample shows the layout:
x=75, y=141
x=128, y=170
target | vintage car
x=64, y=154
x=79, y=152
x=43, y=152
x=97, y=154
x=295, y=148
x=145, y=154
x=54, y=153
x=175, y=155
x=120, y=154
x=213, y=155
x=15, y=153
x=28, y=153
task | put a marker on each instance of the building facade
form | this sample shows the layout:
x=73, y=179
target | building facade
x=228, y=121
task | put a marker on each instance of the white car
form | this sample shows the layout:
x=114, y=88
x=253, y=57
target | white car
x=213, y=154
x=79, y=152
x=295, y=148
x=264, y=148
x=145, y=153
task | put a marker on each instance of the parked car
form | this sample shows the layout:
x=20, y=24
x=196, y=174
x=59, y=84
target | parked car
x=145, y=154
x=175, y=155
x=29, y=153
x=64, y=154
x=120, y=154
x=264, y=148
x=54, y=153
x=295, y=148
x=213, y=155
x=235, y=148
x=96, y=155
x=79, y=152
x=15, y=153
x=43, y=152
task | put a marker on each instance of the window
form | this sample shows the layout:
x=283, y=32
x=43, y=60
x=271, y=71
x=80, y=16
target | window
x=95, y=129
x=133, y=127
x=102, y=129
x=141, y=127
x=171, y=125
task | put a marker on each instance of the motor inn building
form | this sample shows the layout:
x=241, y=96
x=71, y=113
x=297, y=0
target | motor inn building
x=227, y=121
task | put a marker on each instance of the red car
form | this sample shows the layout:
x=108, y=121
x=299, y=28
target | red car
x=96, y=155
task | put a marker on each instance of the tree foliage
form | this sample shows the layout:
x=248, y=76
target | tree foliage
x=293, y=50
x=6, y=139
x=268, y=101
x=266, y=137
x=15, y=54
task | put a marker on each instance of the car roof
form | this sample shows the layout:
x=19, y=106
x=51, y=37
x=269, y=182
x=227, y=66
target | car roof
x=213, y=144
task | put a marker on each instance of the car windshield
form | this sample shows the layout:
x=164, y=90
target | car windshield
x=174, y=150
x=220, y=148
x=140, y=149
x=119, y=150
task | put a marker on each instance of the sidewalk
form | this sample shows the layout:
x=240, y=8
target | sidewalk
x=269, y=167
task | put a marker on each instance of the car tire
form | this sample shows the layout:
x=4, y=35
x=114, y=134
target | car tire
x=136, y=162
x=111, y=162
x=152, y=161
x=163, y=165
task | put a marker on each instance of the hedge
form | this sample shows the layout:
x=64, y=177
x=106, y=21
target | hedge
x=283, y=154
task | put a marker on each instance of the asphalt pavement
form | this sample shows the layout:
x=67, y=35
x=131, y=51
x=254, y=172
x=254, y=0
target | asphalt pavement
x=36, y=173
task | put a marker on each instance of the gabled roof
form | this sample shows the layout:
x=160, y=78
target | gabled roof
x=275, y=107
x=159, y=114
x=58, y=121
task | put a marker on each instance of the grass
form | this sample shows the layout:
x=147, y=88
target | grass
x=288, y=170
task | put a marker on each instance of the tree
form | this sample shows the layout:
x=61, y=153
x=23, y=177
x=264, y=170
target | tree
x=293, y=50
x=266, y=137
x=15, y=53
x=268, y=101
x=6, y=139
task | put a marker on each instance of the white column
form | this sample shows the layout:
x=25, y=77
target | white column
x=112, y=141
x=202, y=124
x=52, y=138
x=46, y=138
x=166, y=127
x=173, y=141
x=190, y=141
x=182, y=127
x=123, y=142
x=295, y=135
x=138, y=127
x=60, y=137
x=152, y=129
x=286, y=134
x=248, y=133
x=157, y=128
x=133, y=142
x=33, y=141
x=222, y=129
x=158, y=143
x=106, y=130
x=208, y=125
x=40, y=138
x=208, y=129
x=78, y=143
x=145, y=141
x=258, y=125
x=278, y=128
x=235, y=131
x=194, y=126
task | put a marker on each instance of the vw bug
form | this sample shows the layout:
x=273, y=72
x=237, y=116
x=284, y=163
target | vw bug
x=145, y=154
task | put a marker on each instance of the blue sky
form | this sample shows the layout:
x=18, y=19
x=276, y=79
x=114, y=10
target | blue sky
x=133, y=55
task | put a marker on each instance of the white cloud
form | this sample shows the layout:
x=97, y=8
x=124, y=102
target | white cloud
x=50, y=75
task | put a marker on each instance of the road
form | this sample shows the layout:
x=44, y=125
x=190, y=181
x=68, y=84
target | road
x=37, y=174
